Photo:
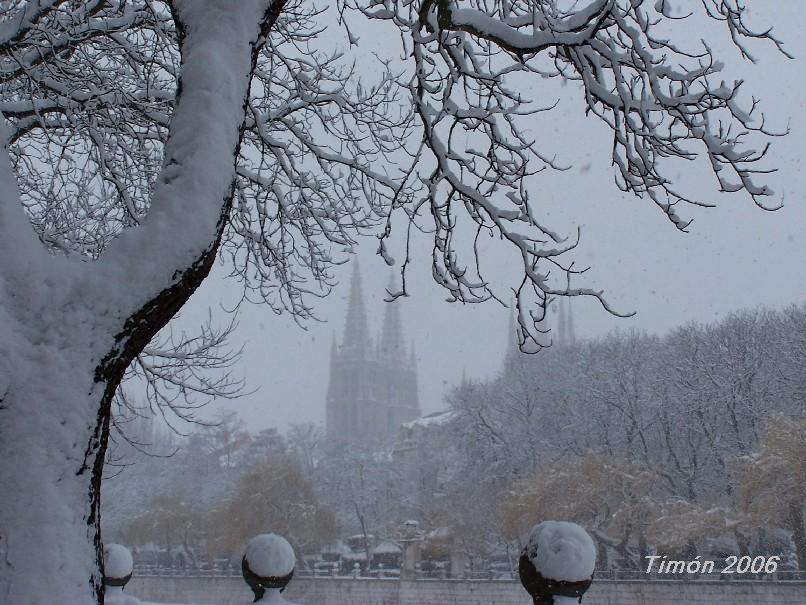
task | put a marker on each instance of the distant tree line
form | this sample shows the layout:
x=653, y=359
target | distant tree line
x=689, y=443
x=685, y=444
x=206, y=494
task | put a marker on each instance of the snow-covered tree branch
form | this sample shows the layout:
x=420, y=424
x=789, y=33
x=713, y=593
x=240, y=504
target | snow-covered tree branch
x=471, y=62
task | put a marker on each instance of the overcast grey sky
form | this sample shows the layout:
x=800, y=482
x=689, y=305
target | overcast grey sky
x=735, y=255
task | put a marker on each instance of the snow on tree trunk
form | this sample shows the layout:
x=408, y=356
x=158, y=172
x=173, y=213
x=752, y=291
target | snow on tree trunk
x=49, y=512
x=68, y=329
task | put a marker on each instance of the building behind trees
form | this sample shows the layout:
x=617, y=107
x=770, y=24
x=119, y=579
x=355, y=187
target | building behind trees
x=373, y=382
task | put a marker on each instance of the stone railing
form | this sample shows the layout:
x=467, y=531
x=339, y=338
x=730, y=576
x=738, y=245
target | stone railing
x=231, y=590
x=602, y=575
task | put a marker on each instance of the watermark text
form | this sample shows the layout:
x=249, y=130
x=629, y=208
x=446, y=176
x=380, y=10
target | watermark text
x=730, y=565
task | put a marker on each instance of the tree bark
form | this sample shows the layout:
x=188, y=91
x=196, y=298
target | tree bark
x=68, y=330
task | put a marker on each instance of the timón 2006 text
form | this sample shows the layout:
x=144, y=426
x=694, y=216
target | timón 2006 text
x=733, y=564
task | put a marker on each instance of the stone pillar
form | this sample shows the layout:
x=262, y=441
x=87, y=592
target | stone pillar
x=411, y=543
x=411, y=556
x=458, y=563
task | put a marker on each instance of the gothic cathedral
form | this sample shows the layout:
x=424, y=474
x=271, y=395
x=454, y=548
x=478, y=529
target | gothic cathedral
x=373, y=385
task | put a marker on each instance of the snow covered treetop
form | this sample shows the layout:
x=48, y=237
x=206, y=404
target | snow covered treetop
x=561, y=551
x=118, y=564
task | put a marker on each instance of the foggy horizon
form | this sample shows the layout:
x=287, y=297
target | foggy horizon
x=734, y=256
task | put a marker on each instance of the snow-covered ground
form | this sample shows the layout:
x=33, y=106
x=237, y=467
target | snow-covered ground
x=151, y=603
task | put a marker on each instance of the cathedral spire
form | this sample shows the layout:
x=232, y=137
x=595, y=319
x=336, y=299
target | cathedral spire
x=356, y=341
x=513, y=349
x=391, y=344
x=512, y=332
x=572, y=337
x=334, y=351
x=562, y=327
x=373, y=387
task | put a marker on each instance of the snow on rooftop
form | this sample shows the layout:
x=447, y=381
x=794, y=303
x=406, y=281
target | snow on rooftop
x=387, y=547
x=439, y=533
x=561, y=551
x=434, y=419
x=337, y=548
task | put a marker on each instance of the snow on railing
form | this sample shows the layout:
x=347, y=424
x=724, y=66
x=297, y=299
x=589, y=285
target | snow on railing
x=602, y=575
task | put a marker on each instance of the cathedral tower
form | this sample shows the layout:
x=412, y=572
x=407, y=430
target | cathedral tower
x=373, y=386
x=563, y=333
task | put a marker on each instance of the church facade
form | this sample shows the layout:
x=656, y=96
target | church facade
x=373, y=382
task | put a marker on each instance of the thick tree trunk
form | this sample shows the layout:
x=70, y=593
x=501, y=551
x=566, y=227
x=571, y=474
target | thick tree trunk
x=54, y=427
x=49, y=514
x=68, y=330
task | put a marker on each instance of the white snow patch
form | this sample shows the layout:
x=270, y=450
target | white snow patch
x=387, y=547
x=117, y=561
x=561, y=600
x=273, y=597
x=115, y=596
x=434, y=419
x=561, y=551
x=270, y=555
x=153, y=603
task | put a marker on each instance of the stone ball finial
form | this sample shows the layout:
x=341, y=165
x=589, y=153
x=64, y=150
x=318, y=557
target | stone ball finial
x=269, y=562
x=118, y=565
x=556, y=565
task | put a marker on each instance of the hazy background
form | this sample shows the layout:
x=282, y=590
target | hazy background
x=734, y=256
